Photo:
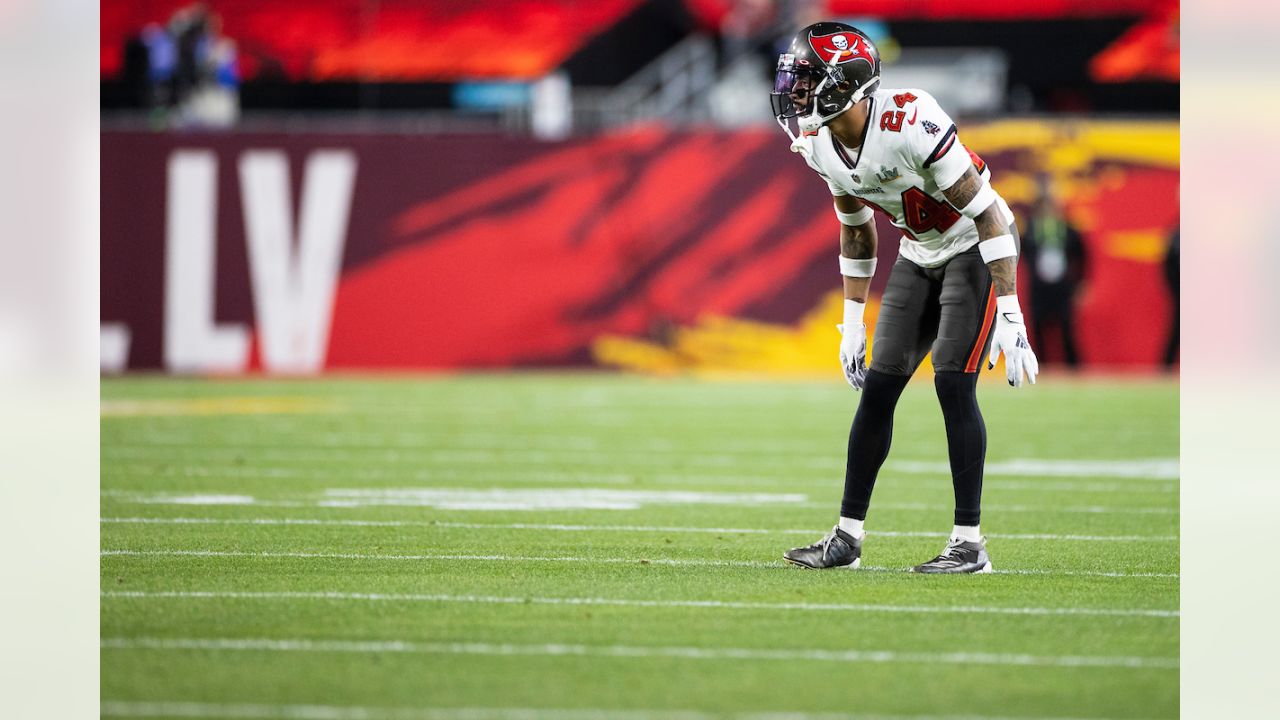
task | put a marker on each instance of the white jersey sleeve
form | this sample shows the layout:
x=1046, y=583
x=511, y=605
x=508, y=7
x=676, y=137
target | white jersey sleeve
x=933, y=145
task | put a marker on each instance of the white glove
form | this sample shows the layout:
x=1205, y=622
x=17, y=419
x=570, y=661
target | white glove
x=853, y=344
x=1011, y=339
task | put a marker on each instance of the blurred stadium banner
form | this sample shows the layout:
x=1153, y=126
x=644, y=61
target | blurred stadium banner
x=386, y=40
x=509, y=39
x=649, y=249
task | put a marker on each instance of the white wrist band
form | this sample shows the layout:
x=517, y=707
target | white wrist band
x=1008, y=304
x=980, y=202
x=864, y=268
x=1001, y=246
x=862, y=217
x=853, y=310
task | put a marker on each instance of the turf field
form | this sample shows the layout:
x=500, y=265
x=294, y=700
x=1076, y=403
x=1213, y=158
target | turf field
x=571, y=546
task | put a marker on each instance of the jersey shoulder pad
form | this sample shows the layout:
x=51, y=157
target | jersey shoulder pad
x=903, y=98
x=929, y=131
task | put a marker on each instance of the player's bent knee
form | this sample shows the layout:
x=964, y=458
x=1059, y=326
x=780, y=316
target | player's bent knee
x=893, y=358
x=943, y=365
x=881, y=391
x=955, y=382
x=898, y=369
x=957, y=392
x=950, y=354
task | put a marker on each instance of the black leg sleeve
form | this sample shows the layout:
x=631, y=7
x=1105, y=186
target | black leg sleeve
x=869, y=440
x=966, y=440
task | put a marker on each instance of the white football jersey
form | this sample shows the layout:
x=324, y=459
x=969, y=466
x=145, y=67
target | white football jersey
x=908, y=156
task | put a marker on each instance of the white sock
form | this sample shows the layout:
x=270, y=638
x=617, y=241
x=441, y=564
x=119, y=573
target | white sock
x=853, y=527
x=966, y=532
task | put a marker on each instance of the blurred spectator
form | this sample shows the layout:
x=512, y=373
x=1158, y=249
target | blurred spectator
x=186, y=70
x=162, y=64
x=1172, y=275
x=1056, y=257
x=188, y=26
x=750, y=34
x=751, y=26
x=213, y=100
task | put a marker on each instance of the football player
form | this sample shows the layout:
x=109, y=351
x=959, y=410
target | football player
x=952, y=290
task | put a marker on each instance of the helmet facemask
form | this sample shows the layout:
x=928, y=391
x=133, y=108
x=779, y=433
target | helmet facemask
x=812, y=95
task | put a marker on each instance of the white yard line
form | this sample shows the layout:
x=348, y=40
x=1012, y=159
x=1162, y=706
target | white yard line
x=207, y=499
x=245, y=711
x=378, y=473
x=526, y=499
x=485, y=498
x=560, y=558
x=213, y=497
x=638, y=651
x=1141, y=469
x=474, y=446
x=786, y=479
x=1071, y=509
x=442, y=556
x=627, y=602
x=1086, y=509
x=469, y=457
x=505, y=442
x=1166, y=488
x=618, y=528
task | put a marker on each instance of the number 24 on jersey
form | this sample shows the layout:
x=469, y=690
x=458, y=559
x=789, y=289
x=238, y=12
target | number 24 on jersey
x=891, y=120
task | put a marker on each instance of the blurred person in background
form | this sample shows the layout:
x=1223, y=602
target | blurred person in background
x=188, y=27
x=207, y=76
x=150, y=59
x=162, y=65
x=1055, y=254
x=750, y=26
x=215, y=100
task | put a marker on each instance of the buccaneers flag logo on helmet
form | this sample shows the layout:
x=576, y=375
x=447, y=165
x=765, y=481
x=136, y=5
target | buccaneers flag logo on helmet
x=845, y=46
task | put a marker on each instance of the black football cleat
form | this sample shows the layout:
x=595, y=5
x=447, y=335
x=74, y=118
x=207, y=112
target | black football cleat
x=960, y=556
x=838, y=549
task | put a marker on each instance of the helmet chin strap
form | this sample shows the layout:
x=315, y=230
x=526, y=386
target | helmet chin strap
x=796, y=144
x=813, y=121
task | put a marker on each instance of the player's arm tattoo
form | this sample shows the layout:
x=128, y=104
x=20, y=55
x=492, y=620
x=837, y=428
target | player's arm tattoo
x=1004, y=275
x=1004, y=272
x=857, y=242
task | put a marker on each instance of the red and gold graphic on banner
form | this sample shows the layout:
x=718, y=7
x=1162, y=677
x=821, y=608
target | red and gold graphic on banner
x=649, y=250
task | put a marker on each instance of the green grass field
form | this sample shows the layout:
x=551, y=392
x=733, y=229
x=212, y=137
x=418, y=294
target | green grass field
x=580, y=545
